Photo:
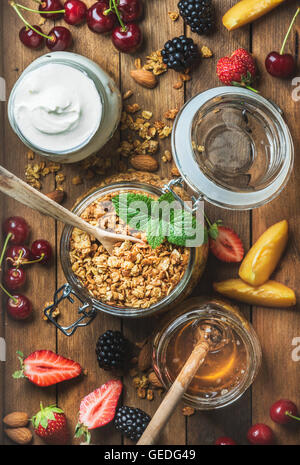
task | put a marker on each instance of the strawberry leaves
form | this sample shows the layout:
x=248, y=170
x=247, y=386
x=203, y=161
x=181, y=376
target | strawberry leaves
x=45, y=415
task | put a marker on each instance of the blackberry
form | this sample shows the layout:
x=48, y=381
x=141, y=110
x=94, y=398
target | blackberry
x=112, y=350
x=131, y=421
x=180, y=53
x=198, y=14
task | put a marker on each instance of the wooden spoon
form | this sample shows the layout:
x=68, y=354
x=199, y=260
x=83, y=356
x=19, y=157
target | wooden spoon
x=19, y=190
x=178, y=388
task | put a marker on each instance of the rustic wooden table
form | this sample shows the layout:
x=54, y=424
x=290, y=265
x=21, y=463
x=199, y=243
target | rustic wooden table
x=277, y=329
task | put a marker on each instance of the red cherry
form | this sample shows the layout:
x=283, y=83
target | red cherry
x=19, y=309
x=282, y=66
x=16, y=255
x=75, y=12
x=51, y=5
x=131, y=10
x=30, y=38
x=127, y=41
x=225, y=441
x=260, y=434
x=14, y=278
x=281, y=410
x=41, y=247
x=17, y=226
x=61, y=39
x=97, y=21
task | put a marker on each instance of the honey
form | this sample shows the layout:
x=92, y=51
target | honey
x=223, y=368
x=233, y=359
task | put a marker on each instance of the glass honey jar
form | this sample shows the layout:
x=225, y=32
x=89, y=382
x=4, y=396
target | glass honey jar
x=229, y=368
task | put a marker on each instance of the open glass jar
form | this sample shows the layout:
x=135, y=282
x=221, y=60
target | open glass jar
x=70, y=118
x=90, y=305
x=227, y=371
x=232, y=147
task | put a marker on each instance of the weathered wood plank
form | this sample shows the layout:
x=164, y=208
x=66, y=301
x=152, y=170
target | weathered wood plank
x=279, y=376
x=205, y=428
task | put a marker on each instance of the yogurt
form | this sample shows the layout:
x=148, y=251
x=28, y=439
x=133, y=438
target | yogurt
x=65, y=107
x=57, y=107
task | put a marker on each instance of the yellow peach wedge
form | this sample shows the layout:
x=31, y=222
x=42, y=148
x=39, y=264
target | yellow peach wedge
x=264, y=255
x=269, y=294
x=246, y=11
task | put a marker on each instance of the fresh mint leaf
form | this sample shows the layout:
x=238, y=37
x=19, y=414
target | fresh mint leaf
x=133, y=209
x=213, y=231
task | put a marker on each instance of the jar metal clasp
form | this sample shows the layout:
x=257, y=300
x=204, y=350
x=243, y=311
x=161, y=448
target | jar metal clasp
x=179, y=182
x=85, y=310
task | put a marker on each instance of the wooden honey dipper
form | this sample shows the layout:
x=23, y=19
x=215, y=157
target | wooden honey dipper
x=208, y=337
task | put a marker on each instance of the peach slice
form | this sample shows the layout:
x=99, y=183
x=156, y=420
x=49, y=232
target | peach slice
x=262, y=258
x=269, y=294
x=246, y=11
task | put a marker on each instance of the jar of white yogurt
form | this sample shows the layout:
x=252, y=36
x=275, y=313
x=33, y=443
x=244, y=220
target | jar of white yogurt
x=64, y=107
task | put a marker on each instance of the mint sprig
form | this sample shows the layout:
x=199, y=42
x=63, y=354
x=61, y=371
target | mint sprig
x=159, y=221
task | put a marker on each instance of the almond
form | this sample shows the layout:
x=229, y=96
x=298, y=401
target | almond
x=16, y=419
x=19, y=435
x=144, y=78
x=153, y=379
x=174, y=171
x=144, y=163
x=144, y=358
x=57, y=195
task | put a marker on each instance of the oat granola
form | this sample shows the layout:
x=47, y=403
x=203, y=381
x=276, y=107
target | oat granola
x=135, y=275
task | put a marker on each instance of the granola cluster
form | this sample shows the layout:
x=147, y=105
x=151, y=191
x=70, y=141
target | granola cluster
x=135, y=275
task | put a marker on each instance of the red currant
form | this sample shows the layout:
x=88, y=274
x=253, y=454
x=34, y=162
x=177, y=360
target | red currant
x=17, y=226
x=14, y=278
x=19, y=307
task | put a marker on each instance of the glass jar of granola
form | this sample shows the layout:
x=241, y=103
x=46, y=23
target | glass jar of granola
x=136, y=280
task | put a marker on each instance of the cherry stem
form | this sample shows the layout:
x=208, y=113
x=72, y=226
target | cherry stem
x=13, y=4
x=289, y=30
x=9, y=295
x=9, y=235
x=38, y=11
x=292, y=416
x=35, y=261
x=113, y=7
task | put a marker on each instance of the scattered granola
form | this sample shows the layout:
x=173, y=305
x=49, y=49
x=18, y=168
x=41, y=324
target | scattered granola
x=154, y=63
x=132, y=108
x=76, y=180
x=167, y=156
x=174, y=15
x=135, y=275
x=178, y=85
x=188, y=411
x=171, y=114
x=127, y=94
x=206, y=52
x=55, y=312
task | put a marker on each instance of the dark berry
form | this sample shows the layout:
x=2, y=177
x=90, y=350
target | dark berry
x=17, y=255
x=131, y=421
x=283, y=411
x=112, y=350
x=180, y=53
x=198, y=14
x=225, y=441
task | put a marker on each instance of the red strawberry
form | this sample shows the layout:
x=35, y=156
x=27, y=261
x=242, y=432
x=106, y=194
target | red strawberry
x=226, y=245
x=50, y=424
x=98, y=408
x=238, y=69
x=44, y=368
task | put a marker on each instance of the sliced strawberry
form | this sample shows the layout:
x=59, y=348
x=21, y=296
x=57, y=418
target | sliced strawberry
x=44, y=368
x=98, y=408
x=227, y=246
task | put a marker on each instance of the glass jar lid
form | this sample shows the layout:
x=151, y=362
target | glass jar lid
x=232, y=146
